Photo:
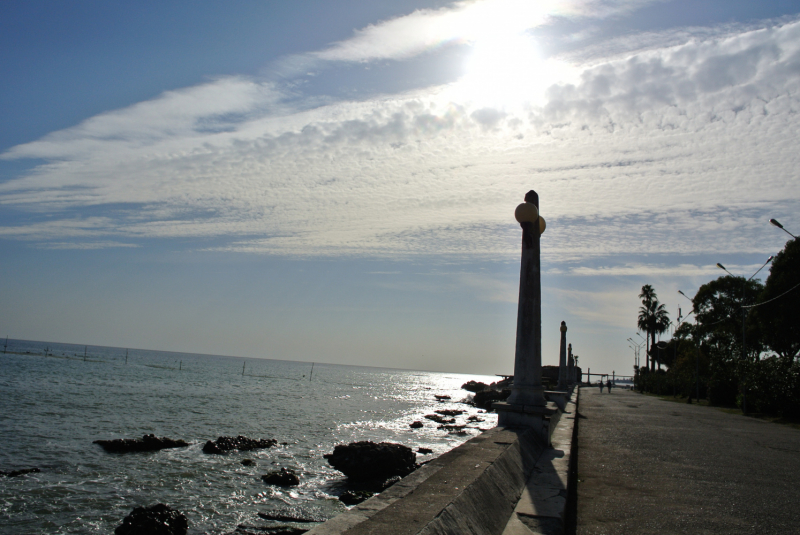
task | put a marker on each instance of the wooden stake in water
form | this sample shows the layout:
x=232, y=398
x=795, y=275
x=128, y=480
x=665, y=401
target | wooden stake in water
x=243, y=364
x=5, y=346
x=126, y=356
x=312, y=372
x=84, y=352
x=180, y=366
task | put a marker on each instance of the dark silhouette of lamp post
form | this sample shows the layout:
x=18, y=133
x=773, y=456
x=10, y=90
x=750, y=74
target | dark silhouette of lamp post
x=777, y=223
x=644, y=343
x=636, y=352
x=744, y=318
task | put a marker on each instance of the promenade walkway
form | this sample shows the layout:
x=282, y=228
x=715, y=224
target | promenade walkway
x=647, y=465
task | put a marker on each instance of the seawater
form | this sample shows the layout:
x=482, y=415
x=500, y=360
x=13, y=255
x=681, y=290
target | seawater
x=53, y=407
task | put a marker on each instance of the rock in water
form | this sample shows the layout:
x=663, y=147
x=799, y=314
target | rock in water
x=440, y=419
x=368, y=461
x=484, y=399
x=224, y=444
x=474, y=386
x=415, y=425
x=157, y=519
x=16, y=473
x=285, y=477
x=449, y=412
x=354, y=497
x=146, y=443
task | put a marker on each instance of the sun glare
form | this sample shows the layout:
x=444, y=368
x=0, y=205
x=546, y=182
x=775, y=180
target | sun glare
x=507, y=71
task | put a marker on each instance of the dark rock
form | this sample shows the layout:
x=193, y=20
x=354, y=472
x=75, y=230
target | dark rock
x=475, y=418
x=441, y=398
x=15, y=473
x=484, y=399
x=474, y=386
x=248, y=462
x=225, y=444
x=449, y=412
x=439, y=419
x=415, y=425
x=158, y=519
x=452, y=428
x=353, y=497
x=364, y=461
x=285, y=477
x=389, y=482
x=146, y=443
x=424, y=451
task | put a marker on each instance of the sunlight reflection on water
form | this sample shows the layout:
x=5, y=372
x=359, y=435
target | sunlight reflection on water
x=54, y=407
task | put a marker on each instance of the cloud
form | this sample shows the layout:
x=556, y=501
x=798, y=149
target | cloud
x=460, y=22
x=638, y=270
x=86, y=246
x=600, y=309
x=653, y=153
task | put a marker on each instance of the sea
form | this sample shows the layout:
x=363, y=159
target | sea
x=56, y=399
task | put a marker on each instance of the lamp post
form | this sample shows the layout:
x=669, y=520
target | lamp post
x=644, y=342
x=776, y=223
x=744, y=317
x=637, y=349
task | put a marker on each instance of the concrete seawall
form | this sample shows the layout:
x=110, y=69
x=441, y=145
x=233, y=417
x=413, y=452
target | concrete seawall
x=501, y=482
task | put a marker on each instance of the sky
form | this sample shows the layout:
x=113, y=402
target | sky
x=336, y=181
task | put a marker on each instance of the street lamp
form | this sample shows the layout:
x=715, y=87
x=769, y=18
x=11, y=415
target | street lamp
x=744, y=313
x=644, y=341
x=638, y=348
x=776, y=223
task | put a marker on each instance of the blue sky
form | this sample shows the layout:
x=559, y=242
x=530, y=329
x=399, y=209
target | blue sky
x=336, y=181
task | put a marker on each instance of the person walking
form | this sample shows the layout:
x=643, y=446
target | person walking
x=601, y=385
x=608, y=385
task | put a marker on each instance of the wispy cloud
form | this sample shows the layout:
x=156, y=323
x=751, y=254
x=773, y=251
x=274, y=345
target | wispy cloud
x=668, y=138
x=463, y=22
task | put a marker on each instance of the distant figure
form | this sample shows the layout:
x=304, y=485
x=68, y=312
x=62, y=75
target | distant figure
x=608, y=385
x=601, y=386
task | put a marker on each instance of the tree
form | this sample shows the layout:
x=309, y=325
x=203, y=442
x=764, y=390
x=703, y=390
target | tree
x=653, y=319
x=718, y=308
x=779, y=316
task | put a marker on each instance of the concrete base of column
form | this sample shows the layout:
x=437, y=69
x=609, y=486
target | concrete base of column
x=559, y=397
x=529, y=395
x=542, y=419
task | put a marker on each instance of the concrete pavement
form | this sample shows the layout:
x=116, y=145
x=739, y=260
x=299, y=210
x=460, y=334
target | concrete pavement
x=651, y=466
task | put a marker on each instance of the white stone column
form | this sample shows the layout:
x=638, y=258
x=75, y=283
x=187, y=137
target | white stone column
x=527, y=388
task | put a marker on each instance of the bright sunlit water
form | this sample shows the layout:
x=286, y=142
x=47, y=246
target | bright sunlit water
x=52, y=408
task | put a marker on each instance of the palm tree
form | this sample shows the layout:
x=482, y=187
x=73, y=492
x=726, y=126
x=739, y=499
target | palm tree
x=647, y=296
x=653, y=319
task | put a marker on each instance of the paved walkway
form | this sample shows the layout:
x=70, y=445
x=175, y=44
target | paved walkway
x=651, y=466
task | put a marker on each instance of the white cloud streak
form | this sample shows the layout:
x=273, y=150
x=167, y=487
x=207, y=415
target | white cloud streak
x=463, y=22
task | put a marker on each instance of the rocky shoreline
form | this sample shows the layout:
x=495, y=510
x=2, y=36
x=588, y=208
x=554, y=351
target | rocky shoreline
x=368, y=467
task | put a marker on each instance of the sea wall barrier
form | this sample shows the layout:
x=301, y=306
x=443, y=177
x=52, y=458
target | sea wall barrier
x=505, y=481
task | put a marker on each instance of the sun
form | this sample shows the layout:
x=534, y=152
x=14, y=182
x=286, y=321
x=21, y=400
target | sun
x=507, y=71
